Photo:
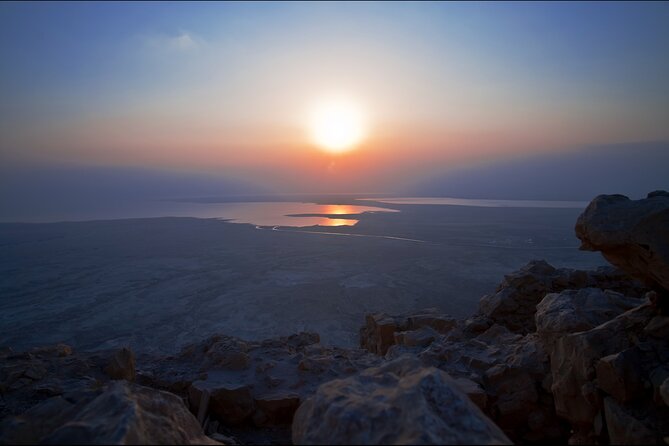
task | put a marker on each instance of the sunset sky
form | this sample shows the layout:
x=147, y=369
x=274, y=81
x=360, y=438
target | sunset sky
x=231, y=88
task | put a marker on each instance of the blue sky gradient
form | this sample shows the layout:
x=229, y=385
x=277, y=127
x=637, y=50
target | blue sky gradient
x=219, y=86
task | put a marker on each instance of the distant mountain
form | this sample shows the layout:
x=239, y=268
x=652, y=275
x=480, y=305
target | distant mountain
x=631, y=169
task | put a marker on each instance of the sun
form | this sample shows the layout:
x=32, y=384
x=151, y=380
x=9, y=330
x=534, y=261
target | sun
x=337, y=126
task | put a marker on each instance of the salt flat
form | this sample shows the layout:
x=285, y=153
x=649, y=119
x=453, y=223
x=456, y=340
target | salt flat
x=157, y=283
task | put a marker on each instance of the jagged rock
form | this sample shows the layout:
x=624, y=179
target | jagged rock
x=578, y=310
x=122, y=365
x=510, y=368
x=378, y=334
x=380, y=330
x=573, y=363
x=398, y=403
x=219, y=351
x=664, y=391
x=275, y=409
x=624, y=428
x=119, y=413
x=658, y=378
x=620, y=375
x=231, y=403
x=416, y=338
x=60, y=350
x=263, y=388
x=658, y=327
x=224, y=439
x=631, y=234
x=514, y=302
x=477, y=324
x=474, y=391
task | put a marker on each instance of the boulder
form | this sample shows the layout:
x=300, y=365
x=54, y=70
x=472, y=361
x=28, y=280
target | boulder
x=118, y=413
x=658, y=327
x=624, y=428
x=631, y=234
x=122, y=365
x=572, y=311
x=574, y=360
x=231, y=403
x=664, y=391
x=398, y=403
x=515, y=300
x=275, y=409
x=620, y=375
x=381, y=331
x=474, y=391
x=659, y=379
x=59, y=350
x=235, y=382
x=509, y=368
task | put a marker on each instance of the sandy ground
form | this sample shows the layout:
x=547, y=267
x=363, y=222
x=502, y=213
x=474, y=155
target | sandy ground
x=156, y=284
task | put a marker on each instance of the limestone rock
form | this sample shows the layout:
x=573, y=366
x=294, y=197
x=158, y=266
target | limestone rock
x=620, y=375
x=60, y=350
x=624, y=428
x=474, y=391
x=231, y=403
x=510, y=368
x=238, y=382
x=275, y=409
x=378, y=334
x=664, y=391
x=119, y=413
x=398, y=403
x=514, y=302
x=579, y=310
x=122, y=365
x=416, y=338
x=382, y=331
x=574, y=358
x=659, y=379
x=658, y=327
x=631, y=234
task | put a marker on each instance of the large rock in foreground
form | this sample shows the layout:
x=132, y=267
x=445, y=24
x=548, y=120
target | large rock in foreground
x=631, y=234
x=623, y=358
x=120, y=413
x=398, y=403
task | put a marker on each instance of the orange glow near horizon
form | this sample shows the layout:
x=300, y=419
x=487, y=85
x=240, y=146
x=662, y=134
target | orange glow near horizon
x=337, y=222
x=338, y=209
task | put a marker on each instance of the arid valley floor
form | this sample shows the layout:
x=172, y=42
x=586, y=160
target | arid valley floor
x=156, y=284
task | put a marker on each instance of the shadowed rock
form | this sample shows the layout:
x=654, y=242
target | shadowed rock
x=240, y=382
x=570, y=311
x=122, y=365
x=617, y=358
x=398, y=403
x=515, y=301
x=118, y=413
x=631, y=234
x=415, y=329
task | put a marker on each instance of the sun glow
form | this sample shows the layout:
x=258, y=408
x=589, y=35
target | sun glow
x=337, y=126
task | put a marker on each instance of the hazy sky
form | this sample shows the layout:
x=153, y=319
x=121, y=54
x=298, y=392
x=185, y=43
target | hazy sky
x=227, y=88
